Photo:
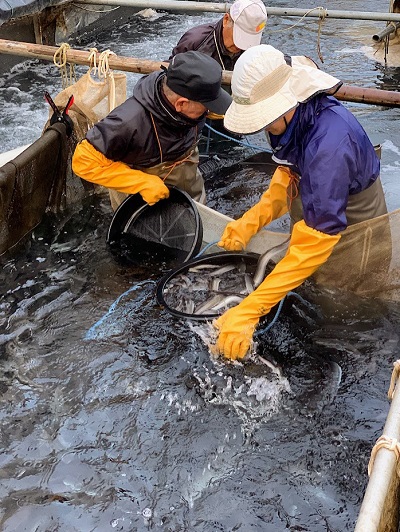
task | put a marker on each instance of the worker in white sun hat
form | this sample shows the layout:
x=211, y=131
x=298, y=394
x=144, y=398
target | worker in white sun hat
x=329, y=181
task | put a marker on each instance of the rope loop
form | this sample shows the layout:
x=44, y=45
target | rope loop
x=92, y=58
x=391, y=444
x=60, y=60
x=104, y=67
x=100, y=68
x=322, y=16
x=394, y=379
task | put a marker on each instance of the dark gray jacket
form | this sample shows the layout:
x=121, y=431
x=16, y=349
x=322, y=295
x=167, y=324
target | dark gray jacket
x=207, y=38
x=128, y=134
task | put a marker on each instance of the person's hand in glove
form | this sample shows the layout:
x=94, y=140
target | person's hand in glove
x=236, y=327
x=272, y=205
x=91, y=165
x=308, y=249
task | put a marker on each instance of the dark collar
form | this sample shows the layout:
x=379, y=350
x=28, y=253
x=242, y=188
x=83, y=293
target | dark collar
x=170, y=110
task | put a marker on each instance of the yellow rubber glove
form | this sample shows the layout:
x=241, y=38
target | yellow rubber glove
x=272, y=205
x=91, y=165
x=308, y=249
x=214, y=116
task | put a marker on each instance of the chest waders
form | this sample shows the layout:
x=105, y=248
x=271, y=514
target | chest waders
x=360, y=260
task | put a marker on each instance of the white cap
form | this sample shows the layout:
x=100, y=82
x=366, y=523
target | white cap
x=266, y=84
x=249, y=19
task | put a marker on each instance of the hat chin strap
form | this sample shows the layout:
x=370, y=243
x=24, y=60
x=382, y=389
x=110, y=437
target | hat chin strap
x=286, y=123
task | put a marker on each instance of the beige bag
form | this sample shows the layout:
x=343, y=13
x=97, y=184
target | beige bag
x=96, y=94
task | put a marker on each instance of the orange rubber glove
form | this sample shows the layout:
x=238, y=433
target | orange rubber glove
x=90, y=164
x=272, y=205
x=308, y=249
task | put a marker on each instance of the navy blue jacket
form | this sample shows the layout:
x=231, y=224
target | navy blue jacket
x=330, y=151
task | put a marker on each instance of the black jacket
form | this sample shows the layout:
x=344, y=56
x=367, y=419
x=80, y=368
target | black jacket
x=127, y=134
x=207, y=38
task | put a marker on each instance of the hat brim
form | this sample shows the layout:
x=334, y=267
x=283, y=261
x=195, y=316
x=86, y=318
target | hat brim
x=220, y=104
x=307, y=81
x=246, y=119
x=304, y=83
x=243, y=40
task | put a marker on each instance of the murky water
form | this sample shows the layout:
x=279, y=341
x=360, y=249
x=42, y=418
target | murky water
x=113, y=414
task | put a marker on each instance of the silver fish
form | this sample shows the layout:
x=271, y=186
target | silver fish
x=200, y=267
x=249, y=283
x=227, y=301
x=223, y=269
x=263, y=261
x=209, y=304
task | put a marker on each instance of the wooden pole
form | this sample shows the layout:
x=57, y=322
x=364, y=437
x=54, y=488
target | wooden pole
x=347, y=93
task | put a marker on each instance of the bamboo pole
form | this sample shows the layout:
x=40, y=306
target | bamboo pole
x=187, y=5
x=347, y=93
x=379, y=510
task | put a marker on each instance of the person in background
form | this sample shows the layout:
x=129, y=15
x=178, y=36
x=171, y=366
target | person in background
x=226, y=39
x=150, y=141
x=330, y=179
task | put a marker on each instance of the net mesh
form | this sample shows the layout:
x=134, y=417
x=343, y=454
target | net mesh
x=37, y=180
x=172, y=225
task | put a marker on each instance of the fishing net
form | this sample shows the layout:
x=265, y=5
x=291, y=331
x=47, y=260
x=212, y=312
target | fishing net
x=168, y=232
x=35, y=181
x=96, y=93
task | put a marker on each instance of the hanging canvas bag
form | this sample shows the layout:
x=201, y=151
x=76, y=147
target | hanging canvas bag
x=96, y=93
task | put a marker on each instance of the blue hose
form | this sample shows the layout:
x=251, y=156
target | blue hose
x=246, y=144
x=275, y=318
x=208, y=246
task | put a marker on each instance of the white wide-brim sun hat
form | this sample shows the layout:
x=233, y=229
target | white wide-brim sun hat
x=266, y=84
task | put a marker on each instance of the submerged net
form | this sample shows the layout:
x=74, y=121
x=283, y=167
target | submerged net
x=35, y=181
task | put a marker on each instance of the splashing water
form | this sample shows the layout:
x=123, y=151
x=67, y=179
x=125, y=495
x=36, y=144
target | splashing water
x=254, y=387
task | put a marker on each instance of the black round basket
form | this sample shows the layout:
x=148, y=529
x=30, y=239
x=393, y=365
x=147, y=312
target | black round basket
x=170, y=231
x=202, y=279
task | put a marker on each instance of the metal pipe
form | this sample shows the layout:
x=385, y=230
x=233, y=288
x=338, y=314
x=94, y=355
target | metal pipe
x=346, y=93
x=187, y=5
x=391, y=28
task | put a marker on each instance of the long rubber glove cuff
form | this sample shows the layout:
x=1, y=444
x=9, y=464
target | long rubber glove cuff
x=272, y=205
x=308, y=249
x=91, y=165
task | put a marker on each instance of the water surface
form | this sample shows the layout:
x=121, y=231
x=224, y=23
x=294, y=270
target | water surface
x=113, y=414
